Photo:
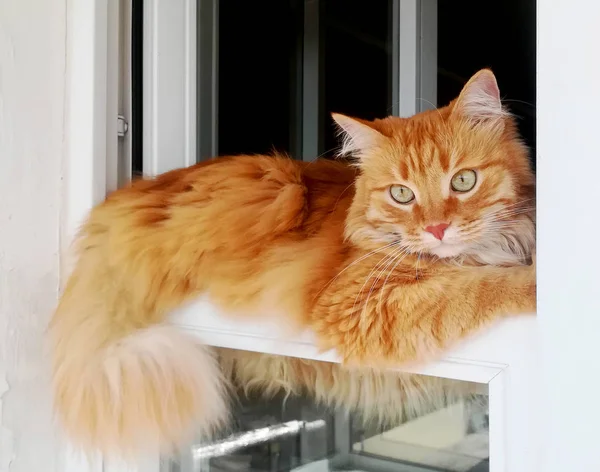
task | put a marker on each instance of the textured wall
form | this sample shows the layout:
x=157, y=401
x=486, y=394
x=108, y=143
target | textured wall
x=32, y=68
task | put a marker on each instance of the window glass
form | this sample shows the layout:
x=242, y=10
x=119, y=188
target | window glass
x=298, y=434
x=278, y=57
x=357, y=63
x=501, y=35
x=257, y=83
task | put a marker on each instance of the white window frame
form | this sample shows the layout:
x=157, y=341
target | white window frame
x=169, y=85
x=535, y=432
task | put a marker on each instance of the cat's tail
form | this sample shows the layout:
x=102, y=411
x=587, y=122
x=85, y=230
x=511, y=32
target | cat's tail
x=123, y=388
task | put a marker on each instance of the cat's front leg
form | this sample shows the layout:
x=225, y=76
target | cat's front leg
x=406, y=321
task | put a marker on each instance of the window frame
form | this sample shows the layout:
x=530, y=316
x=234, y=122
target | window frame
x=170, y=72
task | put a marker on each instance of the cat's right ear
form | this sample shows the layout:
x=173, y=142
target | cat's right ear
x=479, y=101
x=358, y=137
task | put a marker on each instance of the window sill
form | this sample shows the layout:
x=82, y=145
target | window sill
x=478, y=359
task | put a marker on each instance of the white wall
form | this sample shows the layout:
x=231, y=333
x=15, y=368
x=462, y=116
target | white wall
x=32, y=104
x=568, y=91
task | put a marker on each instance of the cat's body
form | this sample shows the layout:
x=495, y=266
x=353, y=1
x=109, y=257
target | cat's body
x=317, y=245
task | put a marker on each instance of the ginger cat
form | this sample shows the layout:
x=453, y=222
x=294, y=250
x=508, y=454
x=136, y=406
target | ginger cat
x=423, y=240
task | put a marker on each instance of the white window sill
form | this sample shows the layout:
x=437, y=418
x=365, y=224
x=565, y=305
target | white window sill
x=478, y=359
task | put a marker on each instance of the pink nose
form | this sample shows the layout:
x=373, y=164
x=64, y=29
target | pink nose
x=437, y=230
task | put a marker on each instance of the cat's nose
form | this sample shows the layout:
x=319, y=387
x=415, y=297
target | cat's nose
x=437, y=230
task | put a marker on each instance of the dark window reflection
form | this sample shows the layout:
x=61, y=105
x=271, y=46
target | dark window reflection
x=257, y=57
x=357, y=61
x=501, y=35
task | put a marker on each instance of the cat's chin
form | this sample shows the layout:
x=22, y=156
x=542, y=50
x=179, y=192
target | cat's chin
x=447, y=250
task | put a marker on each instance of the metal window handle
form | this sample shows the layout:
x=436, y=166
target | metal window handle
x=249, y=438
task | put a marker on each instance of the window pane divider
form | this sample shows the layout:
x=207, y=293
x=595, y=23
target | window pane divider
x=312, y=81
x=414, y=56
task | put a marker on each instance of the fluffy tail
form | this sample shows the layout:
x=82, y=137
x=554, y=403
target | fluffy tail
x=121, y=388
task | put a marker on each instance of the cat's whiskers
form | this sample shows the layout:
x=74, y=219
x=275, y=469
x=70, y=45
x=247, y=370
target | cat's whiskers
x=417, y=265
x=498, y=221
x=340, y=196
x=333, y=149
x=507, y=214
x=446, y=126
x=400, y=258
x=507, y=224
x=356, y=261
x=476, y=234
x=494, y=226
x=518, y=202
x=381, y=262
x=501, y=212
x=394, y=255
x=434, y=107
x=506, y=210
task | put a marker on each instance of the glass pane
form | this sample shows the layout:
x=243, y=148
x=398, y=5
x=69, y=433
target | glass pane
x=454, y=438
x=258, y=54
x=501, y=35
x=274, y=65
x=357, y=62
x=294, y=433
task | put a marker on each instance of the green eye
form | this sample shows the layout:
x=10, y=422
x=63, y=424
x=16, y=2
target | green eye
x=402, y=194
x=464, y=180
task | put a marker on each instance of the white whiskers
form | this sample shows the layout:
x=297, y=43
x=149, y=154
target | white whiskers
x=394, y=256
x=382, y=261
x=356, y=261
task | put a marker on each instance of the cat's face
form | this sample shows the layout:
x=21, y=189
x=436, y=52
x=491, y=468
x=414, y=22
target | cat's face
x=451, y=183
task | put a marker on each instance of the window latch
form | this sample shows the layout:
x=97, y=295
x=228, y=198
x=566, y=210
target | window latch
x=122, y=126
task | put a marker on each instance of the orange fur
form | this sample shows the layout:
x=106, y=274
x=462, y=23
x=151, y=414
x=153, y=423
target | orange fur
x=322, y=244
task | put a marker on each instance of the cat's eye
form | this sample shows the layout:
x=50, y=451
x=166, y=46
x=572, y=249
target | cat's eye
x=402, y=194
x=464, y=180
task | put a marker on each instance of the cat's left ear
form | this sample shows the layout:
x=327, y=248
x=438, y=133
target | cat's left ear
x=358, y=136
x=479, y=100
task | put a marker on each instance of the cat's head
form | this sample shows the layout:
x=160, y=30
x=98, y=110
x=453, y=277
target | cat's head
x=453, y=183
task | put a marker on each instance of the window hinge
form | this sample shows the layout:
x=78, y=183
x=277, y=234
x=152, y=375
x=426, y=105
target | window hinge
x=122, y=126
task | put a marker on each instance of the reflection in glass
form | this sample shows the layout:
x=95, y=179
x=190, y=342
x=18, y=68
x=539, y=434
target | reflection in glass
x=293, y=433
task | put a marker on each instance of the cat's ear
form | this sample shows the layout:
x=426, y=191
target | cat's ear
x=358, y=136
x=479, y=100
